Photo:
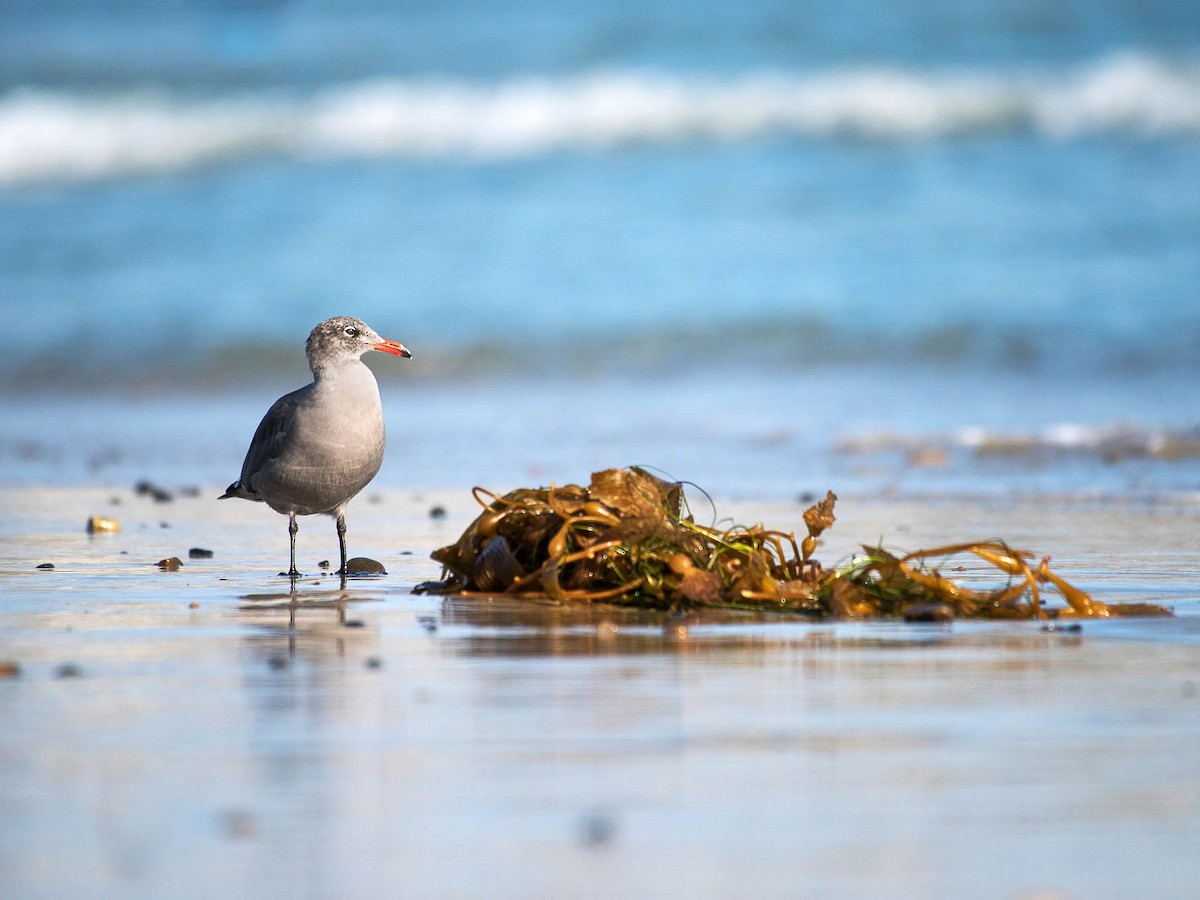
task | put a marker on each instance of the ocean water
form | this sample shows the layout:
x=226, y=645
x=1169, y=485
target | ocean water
x=767, y=246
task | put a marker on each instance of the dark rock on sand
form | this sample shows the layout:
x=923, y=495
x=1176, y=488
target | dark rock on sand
x=929, y=612
x=363, y=565
x=9, y=669
x=448, y=586
x=170, y=564
x=68, y=670
x=159, y=495
x=1065, y=628
x=597, y=829
x=438, y=512
x=153, y=491
x=239, y=824
x=46, y=566
x=199, y=553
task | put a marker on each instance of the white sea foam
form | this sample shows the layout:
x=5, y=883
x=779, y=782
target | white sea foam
x=47, y=136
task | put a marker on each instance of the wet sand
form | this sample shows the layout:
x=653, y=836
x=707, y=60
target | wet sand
x=168, y=734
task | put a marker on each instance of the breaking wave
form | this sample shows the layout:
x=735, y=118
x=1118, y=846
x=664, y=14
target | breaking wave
x=47, y=135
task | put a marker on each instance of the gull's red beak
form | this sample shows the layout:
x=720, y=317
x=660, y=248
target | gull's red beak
x=392, y=347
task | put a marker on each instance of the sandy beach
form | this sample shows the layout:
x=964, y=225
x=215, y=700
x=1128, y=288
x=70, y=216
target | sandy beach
x=168, y=734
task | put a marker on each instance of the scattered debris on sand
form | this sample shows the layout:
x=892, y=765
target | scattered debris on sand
x=102, y=525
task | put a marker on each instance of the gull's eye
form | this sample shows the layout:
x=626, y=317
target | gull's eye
x=350, y=331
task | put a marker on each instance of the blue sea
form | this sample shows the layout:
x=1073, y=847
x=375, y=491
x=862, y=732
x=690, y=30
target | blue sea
x=769, y=247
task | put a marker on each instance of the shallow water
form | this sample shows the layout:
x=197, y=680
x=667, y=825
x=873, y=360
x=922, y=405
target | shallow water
x=735, y=430
x=465, y=747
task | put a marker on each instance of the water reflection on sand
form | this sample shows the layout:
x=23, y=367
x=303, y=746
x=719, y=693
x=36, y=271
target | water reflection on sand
x=481, y=746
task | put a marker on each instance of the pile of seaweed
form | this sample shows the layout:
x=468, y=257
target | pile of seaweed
x=629, y=538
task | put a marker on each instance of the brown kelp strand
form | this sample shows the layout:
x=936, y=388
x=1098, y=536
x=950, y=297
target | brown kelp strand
x=629, y=538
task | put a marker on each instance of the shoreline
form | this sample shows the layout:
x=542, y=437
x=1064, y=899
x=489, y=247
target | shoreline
x=1129, y=547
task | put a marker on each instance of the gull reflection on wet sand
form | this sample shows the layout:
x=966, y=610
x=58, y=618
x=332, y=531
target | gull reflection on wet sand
x=315, y=618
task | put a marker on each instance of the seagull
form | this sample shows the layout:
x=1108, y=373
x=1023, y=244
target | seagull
x=318, y=446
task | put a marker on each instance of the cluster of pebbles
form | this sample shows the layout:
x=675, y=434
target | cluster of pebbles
x=102, y=525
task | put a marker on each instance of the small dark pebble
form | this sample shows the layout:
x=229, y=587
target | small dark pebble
x=929, y=612
x=807, y=498
x=46, y=566
x=437, y=512
x=597, y=829
x=170, y=564
x=277, y=662
x=200, y=553
x=68, y=670
x=406, y=553
x=449, y=586
x=238, y=824
x=1072, y=628
x=323, y=564
x=364, y=565
x=153, y=491
x=164, y=524
x=9, y=669
x=373, y=662
x=354, y=623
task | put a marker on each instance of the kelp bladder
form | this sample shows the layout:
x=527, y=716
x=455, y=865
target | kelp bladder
x=628, y=538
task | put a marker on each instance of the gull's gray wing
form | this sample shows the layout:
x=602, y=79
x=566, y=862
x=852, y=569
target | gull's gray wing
x=268, y=442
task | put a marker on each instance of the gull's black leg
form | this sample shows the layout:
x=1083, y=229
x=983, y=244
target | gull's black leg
x=292, y=529
x=341, y=530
